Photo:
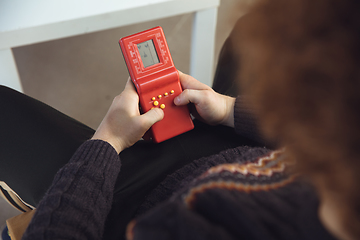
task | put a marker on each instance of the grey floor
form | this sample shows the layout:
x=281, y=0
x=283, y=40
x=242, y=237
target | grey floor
x=81, y=75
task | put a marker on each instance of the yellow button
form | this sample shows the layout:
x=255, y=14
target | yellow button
x=159, y=96
x=166, y=94
x=162, y=106
x=156, y=103
x=153, y=98
x=172, y=91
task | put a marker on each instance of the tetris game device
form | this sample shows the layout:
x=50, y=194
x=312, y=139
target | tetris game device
x=156, y=79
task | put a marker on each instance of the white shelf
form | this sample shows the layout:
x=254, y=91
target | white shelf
x=28, y=22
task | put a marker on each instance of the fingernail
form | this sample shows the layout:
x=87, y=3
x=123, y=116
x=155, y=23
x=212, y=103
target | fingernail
x=177, y=100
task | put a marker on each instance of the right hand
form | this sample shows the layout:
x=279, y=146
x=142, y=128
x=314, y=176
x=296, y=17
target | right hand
x=123, y=125
x=211, y=107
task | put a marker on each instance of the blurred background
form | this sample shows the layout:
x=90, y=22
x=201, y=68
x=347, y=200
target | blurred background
x=81, y=75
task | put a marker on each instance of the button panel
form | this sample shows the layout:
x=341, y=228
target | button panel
x=155, y=99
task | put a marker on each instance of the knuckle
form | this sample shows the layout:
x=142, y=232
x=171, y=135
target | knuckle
x=187, y=92
x=143, y=124
x=208, y=94
x=117, y=98
x=186, y=95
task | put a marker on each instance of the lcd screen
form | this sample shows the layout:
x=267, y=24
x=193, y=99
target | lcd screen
x=148, y=53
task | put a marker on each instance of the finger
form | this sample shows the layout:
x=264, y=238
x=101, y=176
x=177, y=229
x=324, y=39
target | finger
x=152, y=116
x=188, y=82
x=129, y=86
x=189, y=96
x=130, y=91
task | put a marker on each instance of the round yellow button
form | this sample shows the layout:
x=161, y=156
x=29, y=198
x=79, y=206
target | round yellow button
x=153, y=98
x=172, y=91
x=156, y=103
x=159, y=96
x=166, y=94
x=162, y=106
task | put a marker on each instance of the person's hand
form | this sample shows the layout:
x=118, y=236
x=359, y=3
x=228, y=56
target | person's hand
x=211, y=107
x=123, y=125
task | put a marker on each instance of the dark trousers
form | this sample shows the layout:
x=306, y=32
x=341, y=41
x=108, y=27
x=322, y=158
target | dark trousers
x=37, y=140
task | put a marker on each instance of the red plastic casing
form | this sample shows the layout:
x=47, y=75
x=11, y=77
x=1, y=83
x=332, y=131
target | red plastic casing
x=155, y=80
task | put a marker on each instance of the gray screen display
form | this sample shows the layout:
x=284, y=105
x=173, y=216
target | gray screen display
x=148, y=53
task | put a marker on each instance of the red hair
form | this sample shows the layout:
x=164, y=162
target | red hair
x=301, y=62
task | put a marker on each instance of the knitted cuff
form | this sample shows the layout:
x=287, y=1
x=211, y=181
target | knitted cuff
x=245, y=120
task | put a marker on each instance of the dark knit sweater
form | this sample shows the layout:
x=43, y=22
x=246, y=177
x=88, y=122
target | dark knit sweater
x=241, y=193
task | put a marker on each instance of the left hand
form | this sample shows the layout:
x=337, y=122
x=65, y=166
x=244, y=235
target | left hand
x=123, y=125
x=211, y=107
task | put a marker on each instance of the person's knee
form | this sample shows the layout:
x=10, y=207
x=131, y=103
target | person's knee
x=5, y=91
x=8, y=96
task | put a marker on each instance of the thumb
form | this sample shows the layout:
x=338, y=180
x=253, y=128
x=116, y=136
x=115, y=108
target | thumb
x=152, y=116
x=189, y=96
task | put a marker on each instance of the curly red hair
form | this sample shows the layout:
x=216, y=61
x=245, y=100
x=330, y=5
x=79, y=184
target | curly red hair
x=301, y=62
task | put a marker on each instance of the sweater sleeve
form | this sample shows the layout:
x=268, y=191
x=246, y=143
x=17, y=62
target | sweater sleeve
x=245, y=121
x=80, y=197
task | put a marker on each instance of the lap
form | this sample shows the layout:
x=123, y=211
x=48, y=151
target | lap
x=38, y=140
x=145, y=165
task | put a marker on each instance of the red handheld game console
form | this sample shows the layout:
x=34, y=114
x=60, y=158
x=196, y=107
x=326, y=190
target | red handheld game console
x=156, y=79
